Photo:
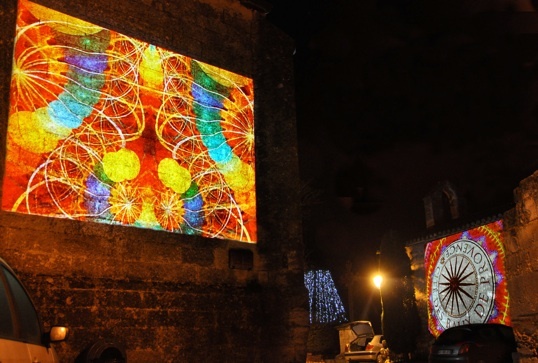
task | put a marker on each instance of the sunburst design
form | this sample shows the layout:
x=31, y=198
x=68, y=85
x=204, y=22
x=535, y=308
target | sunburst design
x=170, y=211
x=125, y=203
x=458, y=280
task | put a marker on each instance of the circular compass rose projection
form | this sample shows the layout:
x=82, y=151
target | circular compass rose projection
x=463, y=284
x=457, y=286
x=466, y=279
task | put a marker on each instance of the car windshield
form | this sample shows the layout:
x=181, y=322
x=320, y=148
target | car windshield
x=363, y=329
x=454, y=336
x=477, y=333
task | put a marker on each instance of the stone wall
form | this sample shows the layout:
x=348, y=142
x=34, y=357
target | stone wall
x=521, y=244
x=521, y=248
x=415, y=253
x=168, y=297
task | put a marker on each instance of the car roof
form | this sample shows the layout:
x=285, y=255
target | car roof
x=473, y=331
x=5, y=264
x=477, y=326
x=361, y=328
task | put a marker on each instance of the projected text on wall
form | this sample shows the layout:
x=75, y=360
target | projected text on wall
x=106, y=128
x=465, y=279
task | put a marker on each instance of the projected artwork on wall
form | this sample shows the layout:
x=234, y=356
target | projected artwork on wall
x=106, y=128
x=466, y=279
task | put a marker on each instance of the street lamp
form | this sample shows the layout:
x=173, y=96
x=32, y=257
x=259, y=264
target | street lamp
x=378, y=281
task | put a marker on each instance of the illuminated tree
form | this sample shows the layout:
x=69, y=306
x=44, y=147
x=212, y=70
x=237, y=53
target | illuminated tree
x=325, y=303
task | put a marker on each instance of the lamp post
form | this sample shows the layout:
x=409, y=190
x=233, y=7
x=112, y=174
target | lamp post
x=378, y=281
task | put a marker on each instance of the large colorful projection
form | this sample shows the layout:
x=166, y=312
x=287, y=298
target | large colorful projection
x=466, y=279
x=106, y=128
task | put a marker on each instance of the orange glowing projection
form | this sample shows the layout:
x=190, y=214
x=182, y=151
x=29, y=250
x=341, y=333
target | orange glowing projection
x=106, y=128
x=466, y=279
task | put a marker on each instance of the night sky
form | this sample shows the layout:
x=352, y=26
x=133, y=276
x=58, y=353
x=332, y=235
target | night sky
x=394, y=96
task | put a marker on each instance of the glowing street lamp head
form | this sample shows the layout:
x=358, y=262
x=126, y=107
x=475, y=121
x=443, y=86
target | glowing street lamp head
x=378, y=279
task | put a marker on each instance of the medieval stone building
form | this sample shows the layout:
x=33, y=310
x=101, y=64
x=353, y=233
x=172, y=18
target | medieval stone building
x=513, y=264
x=159, y=295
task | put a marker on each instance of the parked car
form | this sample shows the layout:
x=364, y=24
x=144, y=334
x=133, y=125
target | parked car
x=370, y=352
x=21, y=334
x=358, y=343
x=475, y=343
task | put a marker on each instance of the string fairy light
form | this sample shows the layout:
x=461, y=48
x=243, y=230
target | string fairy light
x=324, y=300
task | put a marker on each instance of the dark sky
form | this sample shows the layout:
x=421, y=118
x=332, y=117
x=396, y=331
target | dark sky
x=394, y=96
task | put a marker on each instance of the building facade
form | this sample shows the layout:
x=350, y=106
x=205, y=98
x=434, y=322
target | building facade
x=499, y=253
